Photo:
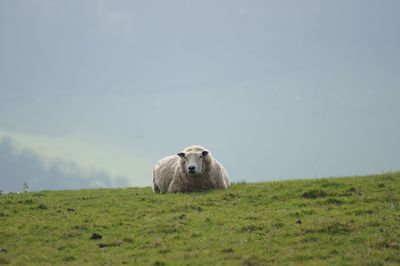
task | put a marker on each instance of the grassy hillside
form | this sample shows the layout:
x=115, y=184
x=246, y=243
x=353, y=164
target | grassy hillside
x=338, y=221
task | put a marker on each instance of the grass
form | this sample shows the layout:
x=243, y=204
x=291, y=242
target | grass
x=335, y=221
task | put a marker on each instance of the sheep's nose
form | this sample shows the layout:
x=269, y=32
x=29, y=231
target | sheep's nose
x=191, y=168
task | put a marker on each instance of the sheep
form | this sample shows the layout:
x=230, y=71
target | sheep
x=193, y=169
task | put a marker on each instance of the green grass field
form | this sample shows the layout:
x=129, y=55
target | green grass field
x=335, y=221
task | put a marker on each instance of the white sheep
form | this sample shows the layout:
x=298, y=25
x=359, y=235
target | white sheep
x=194, y=169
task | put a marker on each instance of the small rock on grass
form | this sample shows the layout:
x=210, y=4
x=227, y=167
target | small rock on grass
x=115, y=244
x=96, y=236
x=101, y=245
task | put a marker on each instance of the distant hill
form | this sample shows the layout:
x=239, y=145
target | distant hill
x=335, y=221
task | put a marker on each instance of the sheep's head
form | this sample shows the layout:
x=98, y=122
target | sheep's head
x=194, y=162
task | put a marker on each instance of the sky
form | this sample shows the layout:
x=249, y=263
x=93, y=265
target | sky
x=94, y=93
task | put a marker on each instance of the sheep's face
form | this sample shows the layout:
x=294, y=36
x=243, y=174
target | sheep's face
x=193, y=162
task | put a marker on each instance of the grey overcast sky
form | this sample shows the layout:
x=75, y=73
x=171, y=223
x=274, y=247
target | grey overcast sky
x=93, y=93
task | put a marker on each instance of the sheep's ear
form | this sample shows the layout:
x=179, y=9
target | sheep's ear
x=181, y=154
x=204, y=153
